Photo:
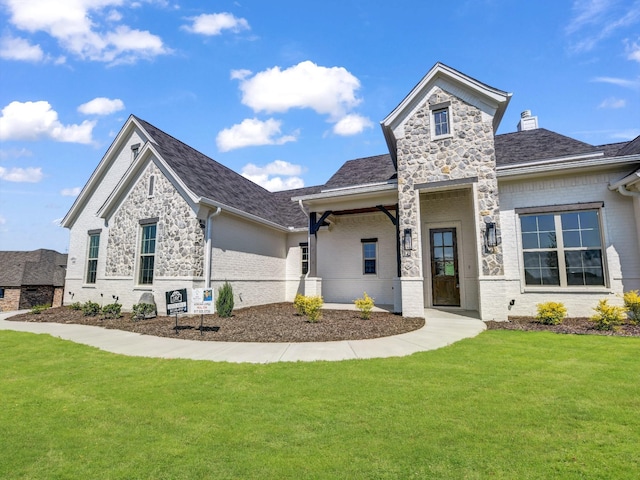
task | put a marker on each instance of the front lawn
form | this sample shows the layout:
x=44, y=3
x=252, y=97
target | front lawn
x=502, y=405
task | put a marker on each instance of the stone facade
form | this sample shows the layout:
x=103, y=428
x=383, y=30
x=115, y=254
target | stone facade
x=179, y=238
x=468, y=153
x=11, y=299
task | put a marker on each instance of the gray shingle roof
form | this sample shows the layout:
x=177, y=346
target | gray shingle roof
x=630, y=148
x=362, y=171
x=36, y=267
x=534, y=145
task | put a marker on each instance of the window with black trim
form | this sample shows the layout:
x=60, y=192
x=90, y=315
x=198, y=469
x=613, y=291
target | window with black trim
x=563, y=249
x=1, y=292
x=92, y=257
x=369, y=256
x=304, y=257
x=147, y=254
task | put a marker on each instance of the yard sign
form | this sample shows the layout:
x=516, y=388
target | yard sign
x=176, y=301
x=202, y=301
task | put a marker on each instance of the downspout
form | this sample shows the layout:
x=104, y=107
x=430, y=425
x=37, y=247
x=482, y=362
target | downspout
x=627, y=193
x=209, y=248
x=306, y=213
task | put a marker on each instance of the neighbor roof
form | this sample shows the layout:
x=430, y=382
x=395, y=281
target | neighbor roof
x=30, y=268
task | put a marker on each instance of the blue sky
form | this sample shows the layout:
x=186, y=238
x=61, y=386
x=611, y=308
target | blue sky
x=282, y=91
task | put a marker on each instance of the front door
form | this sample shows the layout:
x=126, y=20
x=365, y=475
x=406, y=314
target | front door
x=444, y=267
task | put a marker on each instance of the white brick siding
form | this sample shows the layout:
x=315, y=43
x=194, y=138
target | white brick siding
x=621, y=242
x=340, y=262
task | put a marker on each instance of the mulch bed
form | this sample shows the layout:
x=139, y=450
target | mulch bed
x=267, y=323
x=578, y=326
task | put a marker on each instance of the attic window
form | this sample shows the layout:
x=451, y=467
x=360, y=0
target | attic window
x=440, y=120
x=135, y=149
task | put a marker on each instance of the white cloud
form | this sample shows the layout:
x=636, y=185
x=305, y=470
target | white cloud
x=628, y=134
x=621, y=82
x=20, y=49
x=633, y=51
x=240, y=74
x=271, y=175
x=29, y=174
x=252, y=132
x=612, y=102
x=2, y=220
x=352, y=124
x=78, y=26
x=71, y=192
x=36, y=120
x=15, y=153
x=215, y=23
x=596, y=20
x=101, y=106
x=328, y=91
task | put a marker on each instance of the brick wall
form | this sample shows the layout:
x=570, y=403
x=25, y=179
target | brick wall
x=11, y=300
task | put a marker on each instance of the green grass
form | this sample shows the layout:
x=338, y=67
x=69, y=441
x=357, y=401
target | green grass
x=511, y=405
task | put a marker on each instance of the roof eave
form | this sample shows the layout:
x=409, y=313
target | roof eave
x=541, y=168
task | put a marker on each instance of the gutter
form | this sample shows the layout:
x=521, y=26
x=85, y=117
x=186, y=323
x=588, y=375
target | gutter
x=569, y=163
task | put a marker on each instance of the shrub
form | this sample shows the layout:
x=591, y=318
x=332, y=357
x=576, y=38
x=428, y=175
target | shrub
x=141, y=310
x=551, y=313
x=38, y=309
x=224, y=303
x=90, y=309
x=632, y=304
x=607, y=316
x=309, y=306
x=365, y=305
x=298, y=303
x=112, y=310
x=76, y=306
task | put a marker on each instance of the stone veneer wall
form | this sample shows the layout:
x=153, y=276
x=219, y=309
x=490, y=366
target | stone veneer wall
x=469, y=152
x=179, y=238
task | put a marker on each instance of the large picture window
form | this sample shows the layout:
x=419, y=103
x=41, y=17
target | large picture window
x=562, y=249
x=147, y=254
x=92, y=257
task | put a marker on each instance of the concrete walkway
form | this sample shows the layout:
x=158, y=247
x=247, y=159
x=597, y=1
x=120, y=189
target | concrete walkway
x=441, y=329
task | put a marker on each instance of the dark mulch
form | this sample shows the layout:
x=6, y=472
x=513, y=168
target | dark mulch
x=578, y=326
x=267, y=323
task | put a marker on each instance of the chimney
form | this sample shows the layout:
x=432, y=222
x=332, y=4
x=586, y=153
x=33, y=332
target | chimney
x=527, y=122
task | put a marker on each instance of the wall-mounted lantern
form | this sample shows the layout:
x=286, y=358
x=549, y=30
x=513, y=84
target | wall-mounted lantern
x=407, y=243
x=491, y=235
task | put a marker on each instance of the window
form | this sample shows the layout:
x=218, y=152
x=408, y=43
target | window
x=441, y=122
x=147, y=254
x=92, y=256
x=135, y=149
x=304, y=255
x=1, y=292
x=562, y=249
x=369, y=256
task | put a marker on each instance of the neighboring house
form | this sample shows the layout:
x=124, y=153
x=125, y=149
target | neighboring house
x=31, y=278
x=452, y=217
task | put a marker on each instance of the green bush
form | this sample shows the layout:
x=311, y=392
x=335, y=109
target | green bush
x=142, y=310
x=224, y=303
x=365, y=305
x=551, y=313
x=309, y=306
x=38, y=309
x=298, y=303
x=632, y=304
x=112, y=310
x=608, y=317
x=90, y=309
x=76, y=306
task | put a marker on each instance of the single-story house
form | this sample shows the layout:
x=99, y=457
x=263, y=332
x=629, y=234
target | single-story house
x=31, y=278
x=453, y=216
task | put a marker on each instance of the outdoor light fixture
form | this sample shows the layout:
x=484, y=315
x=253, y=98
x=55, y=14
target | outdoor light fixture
x=490, y=235
x=406, y=241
